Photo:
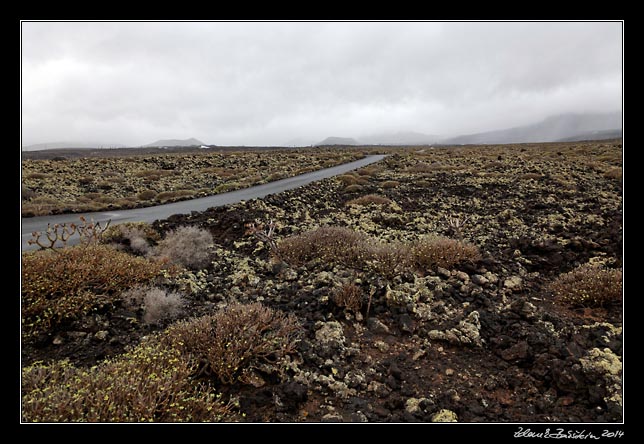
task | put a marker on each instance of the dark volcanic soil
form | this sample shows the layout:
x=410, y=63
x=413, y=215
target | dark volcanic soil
x=485, y=341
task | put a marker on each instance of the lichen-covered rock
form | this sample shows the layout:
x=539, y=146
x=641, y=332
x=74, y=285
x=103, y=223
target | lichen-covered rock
x=467, y=332
x=444, y=415
x=513, y=283
x=604, y=368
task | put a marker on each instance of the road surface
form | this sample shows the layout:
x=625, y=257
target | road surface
x=159, y=212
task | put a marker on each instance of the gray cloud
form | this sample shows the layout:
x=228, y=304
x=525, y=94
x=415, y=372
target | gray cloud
x=266, y=83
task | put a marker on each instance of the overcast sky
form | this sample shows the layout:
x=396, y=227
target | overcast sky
x=270, y=83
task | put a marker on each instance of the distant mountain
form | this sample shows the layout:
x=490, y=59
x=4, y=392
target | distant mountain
x=176, y=142
x=338, y=141
x=552, y=129
x=400, y=138
x=62, y=145
x=595, y=135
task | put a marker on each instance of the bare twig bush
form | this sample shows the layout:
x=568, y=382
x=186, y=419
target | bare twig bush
x=588, y=286
x=238, y=340
x=151, y=383
x=158, y=304
x=58, y=287
x=264, y=232
x=348, y=296
x=188, y=246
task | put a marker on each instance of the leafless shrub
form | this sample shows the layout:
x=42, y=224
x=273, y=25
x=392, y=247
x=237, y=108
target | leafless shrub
x=188, y=246
x=588, y=286
x=237, y=340
x=348, y=296
x=263, y=232
x=456, y=225
x=160, y=305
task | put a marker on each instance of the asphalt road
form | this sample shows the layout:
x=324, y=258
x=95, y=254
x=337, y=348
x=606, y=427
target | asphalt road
x=159, y=212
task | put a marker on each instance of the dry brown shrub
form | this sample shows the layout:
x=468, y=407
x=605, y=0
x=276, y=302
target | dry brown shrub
x=60, y=286
x=166, y=196
x=26, y=193
x=151, y=383
x=348, y=296
x=389, y=259
x=614, y=173
x=370, y=199
x=347, y=179
x=338, y=244
x=234, y=342
x=430, y=252
x=390, y=184
x=588, y=286
x=353, y=188
x=146, y=195
x=37, y=176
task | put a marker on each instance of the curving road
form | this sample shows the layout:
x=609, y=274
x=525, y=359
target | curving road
x=150, y=214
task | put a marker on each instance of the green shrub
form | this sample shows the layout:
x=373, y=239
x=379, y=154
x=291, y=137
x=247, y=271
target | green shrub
x=61, y=286
x=234, y=342
x=588, y=286
x=151, y=383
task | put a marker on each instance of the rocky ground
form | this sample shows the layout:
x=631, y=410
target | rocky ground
x=89, y=183
x=480, y=342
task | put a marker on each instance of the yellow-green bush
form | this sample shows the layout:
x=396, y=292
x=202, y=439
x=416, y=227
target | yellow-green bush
x=588, y=286
x=62, y=285
x=151, y=383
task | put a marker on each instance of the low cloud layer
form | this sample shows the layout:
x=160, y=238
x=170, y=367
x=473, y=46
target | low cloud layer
x=259, y=83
